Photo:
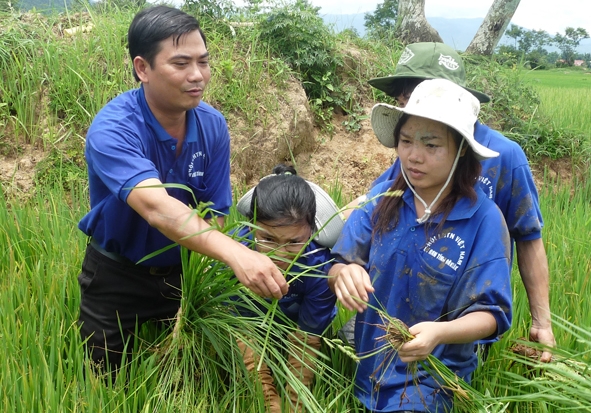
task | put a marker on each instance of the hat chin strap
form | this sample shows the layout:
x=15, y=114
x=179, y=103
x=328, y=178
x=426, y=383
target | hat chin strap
x=427, y=213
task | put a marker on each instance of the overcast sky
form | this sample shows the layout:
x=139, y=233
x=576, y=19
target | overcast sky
x=549, y=15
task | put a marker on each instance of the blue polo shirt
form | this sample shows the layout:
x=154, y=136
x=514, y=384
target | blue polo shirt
x=420, y=275
x=507, y=180
x=126, y=145
x=309, y=302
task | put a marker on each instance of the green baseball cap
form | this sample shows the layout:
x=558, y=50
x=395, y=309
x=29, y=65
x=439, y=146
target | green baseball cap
x=427, y=60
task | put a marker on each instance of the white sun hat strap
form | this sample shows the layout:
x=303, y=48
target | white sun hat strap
x=427, y=213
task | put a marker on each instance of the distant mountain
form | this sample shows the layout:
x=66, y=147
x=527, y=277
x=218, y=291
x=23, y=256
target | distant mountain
x=457, y=33
x=43, y=6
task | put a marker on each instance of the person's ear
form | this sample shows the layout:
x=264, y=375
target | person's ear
x=464, y=149
x=141, y=66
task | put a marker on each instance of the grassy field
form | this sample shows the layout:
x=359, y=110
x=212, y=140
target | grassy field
x=564, y=95
x=49, y=104
x=42, y=368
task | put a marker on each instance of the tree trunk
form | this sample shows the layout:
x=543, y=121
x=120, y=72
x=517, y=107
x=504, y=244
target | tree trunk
x=490, y=32
x=412, y=26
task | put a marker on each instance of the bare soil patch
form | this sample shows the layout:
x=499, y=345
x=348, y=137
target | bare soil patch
x=17, y=172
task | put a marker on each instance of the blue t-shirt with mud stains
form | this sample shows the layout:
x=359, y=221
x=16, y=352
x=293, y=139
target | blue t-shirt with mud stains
x=422, y=275
x=126, y=145
x=506, y=179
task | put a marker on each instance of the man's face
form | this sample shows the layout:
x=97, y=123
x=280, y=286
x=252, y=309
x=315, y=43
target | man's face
x=176, y=80
x=402, y=94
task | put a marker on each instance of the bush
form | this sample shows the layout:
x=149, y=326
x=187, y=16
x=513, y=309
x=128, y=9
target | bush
x=298, y=34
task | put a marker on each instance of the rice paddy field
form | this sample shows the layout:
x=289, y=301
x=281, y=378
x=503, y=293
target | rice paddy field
x=42, y=368
x=196, y=367
x=565, y=96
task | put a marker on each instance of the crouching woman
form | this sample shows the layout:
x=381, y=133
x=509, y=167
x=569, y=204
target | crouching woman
x=294, y=221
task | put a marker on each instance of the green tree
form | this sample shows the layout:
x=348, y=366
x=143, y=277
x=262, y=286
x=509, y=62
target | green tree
x=568, y=42
x=298, y=34
x=213, y=10
x=533, y=40
x=515, y=32
x=381, y=23
x=552, y=57
x=528, y=41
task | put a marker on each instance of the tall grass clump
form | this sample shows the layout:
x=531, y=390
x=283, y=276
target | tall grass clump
x=87, y=69
x=21, y=75
x=201, y=368
x=525, y=383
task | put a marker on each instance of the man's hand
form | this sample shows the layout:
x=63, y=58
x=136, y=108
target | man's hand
x=259, y=274
x=351, y=285
x=543, y=336
x=533, y=267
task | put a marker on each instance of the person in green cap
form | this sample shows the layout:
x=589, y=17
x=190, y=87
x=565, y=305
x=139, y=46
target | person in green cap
x=506, y=179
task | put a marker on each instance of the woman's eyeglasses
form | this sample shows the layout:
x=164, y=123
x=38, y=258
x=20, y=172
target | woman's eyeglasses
x=291, y=247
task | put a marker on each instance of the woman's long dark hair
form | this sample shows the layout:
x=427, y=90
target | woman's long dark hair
x=283, y=199
x=387, y=212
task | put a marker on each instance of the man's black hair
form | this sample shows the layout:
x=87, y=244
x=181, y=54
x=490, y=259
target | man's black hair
x=154, y=24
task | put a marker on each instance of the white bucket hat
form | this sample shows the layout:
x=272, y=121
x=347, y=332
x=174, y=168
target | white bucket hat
x=329, y=218
x=437, y=99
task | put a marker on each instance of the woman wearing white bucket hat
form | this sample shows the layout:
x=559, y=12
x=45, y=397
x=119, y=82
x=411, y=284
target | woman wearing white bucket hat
x=506, y=179
x=434, y=254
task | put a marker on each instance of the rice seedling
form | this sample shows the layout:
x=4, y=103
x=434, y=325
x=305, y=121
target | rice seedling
x=396, y=333
x=564, y=383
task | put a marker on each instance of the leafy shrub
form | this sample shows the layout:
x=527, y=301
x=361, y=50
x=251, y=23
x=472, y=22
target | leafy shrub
x=298, y=34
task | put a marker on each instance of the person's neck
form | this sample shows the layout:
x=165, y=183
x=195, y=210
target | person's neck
x=428, y=196
x=173, y=122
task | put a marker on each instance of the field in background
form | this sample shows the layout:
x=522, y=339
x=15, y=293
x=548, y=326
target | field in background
x=565, y=96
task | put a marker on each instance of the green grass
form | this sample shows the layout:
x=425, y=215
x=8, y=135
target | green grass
x=574, y=109
x=564, y=96
x=49, y=104
x=42, y=368
x=570, y=78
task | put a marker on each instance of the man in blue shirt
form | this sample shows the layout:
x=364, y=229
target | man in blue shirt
x=159, y=133
x=506, y=179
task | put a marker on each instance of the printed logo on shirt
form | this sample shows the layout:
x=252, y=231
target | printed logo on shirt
x=192, y=172
x=448, y=62
x=449, y=249
x=406, y=56
x=487, y=186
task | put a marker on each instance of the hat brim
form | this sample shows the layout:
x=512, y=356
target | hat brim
x=329, y=218
x=387, y=85
x=384, y=118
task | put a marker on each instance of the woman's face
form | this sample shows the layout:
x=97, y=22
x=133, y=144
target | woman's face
x=284, y=241
x=427, y=152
